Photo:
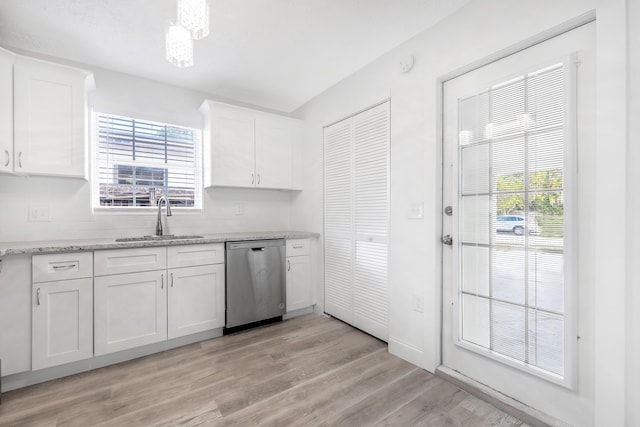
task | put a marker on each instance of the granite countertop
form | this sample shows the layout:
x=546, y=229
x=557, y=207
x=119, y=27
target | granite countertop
x=13, y=248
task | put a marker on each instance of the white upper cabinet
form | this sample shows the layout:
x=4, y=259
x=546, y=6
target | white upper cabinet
x=251, y=149
x=6, y=111
x=274, y=152
x=230, y=149
x=50, y=120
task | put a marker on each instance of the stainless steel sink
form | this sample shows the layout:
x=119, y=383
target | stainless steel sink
x=156, y=238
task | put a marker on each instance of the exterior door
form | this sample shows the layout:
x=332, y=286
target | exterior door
x=516, y=132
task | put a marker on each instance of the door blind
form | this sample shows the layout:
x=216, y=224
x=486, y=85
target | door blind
x=511, y=188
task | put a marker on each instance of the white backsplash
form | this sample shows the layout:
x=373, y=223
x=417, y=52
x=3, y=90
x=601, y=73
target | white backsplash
x=71, y=217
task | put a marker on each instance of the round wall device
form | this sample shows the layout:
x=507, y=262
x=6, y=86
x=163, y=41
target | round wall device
x=406, y=64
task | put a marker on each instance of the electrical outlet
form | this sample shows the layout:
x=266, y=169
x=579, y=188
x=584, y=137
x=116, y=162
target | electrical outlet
x=39, y=213
x=418, y=304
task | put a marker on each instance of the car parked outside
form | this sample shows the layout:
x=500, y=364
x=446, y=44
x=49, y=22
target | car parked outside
x=515, y=224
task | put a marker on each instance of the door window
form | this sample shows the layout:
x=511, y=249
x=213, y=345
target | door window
x=511, y=212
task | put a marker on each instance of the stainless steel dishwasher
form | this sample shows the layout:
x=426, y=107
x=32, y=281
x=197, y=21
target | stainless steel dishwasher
x=255, y=285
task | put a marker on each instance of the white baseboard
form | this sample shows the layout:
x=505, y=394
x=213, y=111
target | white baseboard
x=407, y=352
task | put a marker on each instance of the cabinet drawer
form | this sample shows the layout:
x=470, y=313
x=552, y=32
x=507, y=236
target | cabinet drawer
x=52, y=267
x=296, y=247
x=118, y=261
x=194, y=255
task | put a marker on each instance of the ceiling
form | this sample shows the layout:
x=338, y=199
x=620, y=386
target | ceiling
x=277, y=54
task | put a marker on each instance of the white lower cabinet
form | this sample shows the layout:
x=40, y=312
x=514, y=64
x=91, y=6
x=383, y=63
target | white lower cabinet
x=182, y=294
x=196, y=299
x=298, y=283
x=62, y=308
x=62, y=322
x=130, y=310
x=298, y=276
x=15, y=314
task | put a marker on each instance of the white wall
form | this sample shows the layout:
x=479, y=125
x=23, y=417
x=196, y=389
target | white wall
x=69, y=199
x=477, y=31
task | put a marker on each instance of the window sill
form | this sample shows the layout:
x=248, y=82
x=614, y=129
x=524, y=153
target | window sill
x=144, y=211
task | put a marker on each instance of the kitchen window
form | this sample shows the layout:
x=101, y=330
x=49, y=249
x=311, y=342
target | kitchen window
x=138, y=161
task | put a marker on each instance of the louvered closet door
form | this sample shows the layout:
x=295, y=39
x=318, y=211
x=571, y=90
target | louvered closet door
x=357, y=203
x=338, y=220
x=371, y=193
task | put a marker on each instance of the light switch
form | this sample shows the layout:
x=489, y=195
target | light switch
x=416, y=211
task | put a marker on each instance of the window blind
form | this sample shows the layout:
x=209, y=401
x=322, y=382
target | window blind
x=511, y=149
x=139, y=161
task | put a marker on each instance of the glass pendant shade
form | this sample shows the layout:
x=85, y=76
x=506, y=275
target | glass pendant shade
x=179, y=46
x=194, y=16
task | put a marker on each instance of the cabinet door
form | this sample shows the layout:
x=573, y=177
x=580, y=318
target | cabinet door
x=62, y=322
x=6, y=111
x=274, y=152
x=196, y=299
x=49, y=114
x=232, y=148
x=298, y=283
x=130, y=310
x=15, y=314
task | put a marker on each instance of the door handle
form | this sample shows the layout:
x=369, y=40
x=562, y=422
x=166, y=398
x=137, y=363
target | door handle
x=161, y=281
x=252, y=179
x=20, y=159
x=172, y=280
x=258, y=179
x=288, y=265
x=38, y=296
x=6, y=152
x=447, y=239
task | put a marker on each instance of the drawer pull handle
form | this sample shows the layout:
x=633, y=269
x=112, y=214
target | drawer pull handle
x=6, y=152
x=38, y=296
x=172, y=280
x=65, y=267
x=298, y=246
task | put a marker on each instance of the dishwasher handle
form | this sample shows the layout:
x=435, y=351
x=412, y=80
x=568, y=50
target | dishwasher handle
x=257, y=249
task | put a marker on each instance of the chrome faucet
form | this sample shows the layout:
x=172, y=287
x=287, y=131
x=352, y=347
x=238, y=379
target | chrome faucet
x=168, y=205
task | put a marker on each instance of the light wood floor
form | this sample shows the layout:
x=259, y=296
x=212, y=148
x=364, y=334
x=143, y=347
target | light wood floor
x=309, y=371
